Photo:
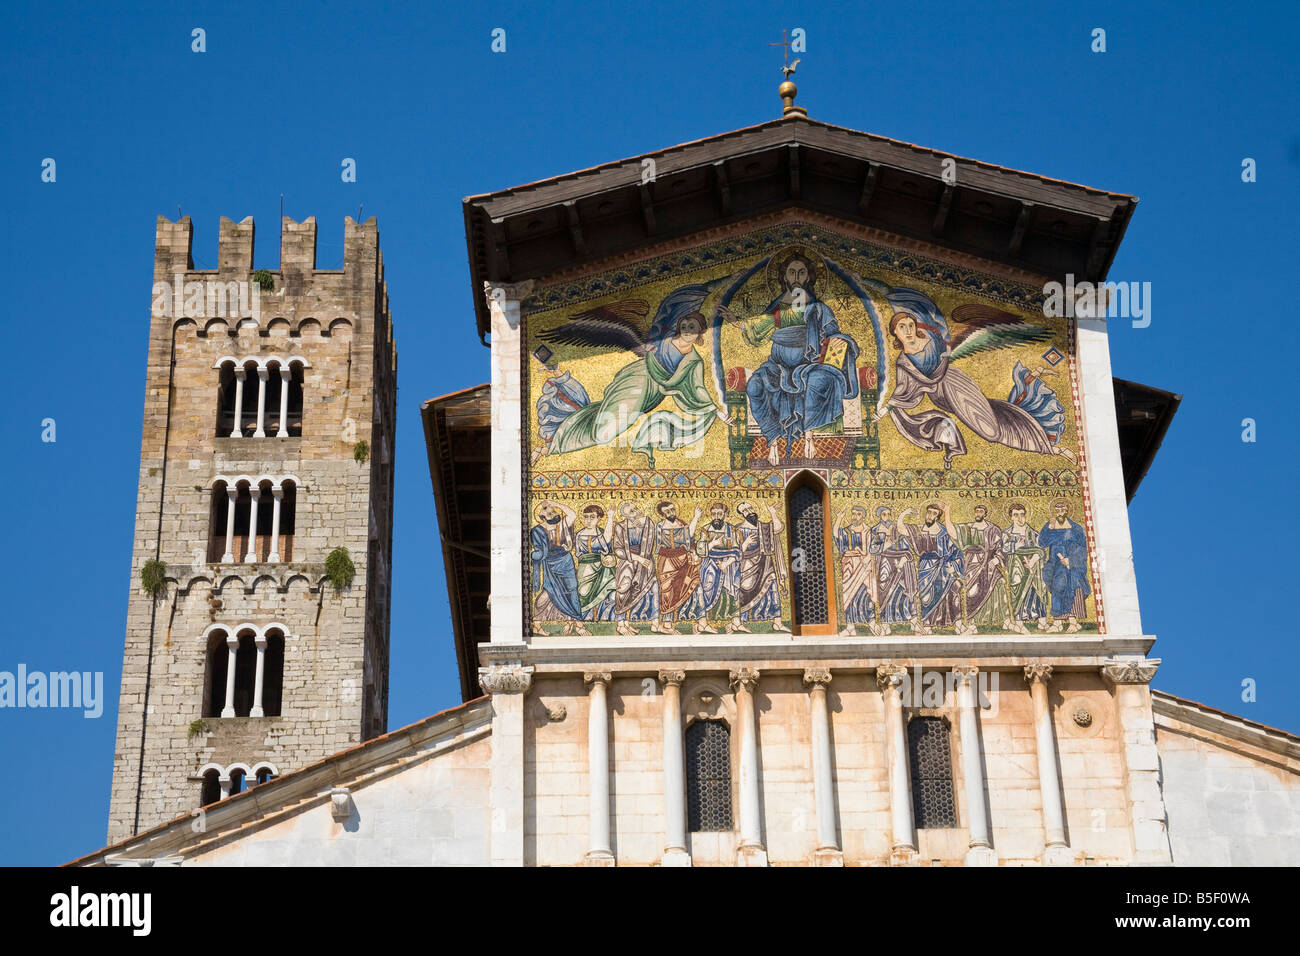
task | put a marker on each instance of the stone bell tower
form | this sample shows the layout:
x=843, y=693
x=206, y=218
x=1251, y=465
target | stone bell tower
x=258, y=610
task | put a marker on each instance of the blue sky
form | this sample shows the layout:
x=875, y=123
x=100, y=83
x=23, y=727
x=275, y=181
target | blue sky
x=138, y=124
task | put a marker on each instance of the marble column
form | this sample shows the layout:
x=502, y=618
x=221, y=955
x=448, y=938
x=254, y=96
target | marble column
x=261, y=403
x=232, y=651
x=508, y=683
x=1130, y=680
x=744, y=681
x=260, y=643
x=240, y=374
x=675, y=852
x=254, y=496
x=980, y=851
x=828, y=851
x=599, y=852
x=1056, y=851
x=890, y=678
x=232, y=493
x=286, y=373
x=274, y=556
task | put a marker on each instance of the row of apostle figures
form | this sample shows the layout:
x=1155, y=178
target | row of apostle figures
x=624, y=567
x=725, y=574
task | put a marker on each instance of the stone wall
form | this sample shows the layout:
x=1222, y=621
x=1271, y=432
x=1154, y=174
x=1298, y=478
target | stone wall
x=1232, y=792
x=434, y=812
x=336, y=650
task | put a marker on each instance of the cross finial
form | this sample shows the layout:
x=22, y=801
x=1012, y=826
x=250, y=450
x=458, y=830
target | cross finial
x=788, y=90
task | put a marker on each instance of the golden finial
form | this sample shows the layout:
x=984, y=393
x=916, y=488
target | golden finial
x=787, y=90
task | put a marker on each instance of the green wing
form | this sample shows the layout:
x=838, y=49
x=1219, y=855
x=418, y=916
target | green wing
x=986, y=329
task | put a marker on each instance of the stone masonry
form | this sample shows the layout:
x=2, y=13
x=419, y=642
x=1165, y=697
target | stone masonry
x=335, y=678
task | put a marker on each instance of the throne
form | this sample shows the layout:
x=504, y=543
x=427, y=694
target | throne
x=854, y=445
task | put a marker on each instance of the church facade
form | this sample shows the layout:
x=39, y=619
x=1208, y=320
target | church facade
x=790, y=530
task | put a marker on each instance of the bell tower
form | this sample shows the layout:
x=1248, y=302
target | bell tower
x=258, y=609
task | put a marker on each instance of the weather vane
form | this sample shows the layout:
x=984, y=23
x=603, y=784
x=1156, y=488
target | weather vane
x=788, y=91
x=785, y=45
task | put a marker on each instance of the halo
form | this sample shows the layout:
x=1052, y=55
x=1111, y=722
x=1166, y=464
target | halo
x=773, y=277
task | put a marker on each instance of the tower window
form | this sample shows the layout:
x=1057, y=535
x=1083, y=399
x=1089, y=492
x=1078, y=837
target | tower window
x=708, y=776
x=210, y=791
x=250, y=525
x=808, y=546
x=930, y=758
x=257, y=656
x=259, y=398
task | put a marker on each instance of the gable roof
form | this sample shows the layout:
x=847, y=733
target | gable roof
x=298, y=789
x=1048, y=226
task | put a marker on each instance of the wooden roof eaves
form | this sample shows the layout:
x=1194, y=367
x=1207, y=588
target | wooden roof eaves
x=433, y=441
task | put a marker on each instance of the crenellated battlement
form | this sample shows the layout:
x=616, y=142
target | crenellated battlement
x=174, y=247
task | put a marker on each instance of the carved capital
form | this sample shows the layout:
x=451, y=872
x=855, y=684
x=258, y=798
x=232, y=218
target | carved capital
x=1130, y=672
x=505, y=678
x=965, y=673
x=592, y=677
x=817, y=676
x=499, y=293
x=890, y=676
x=746, y=677
x=1038, y=672
x=671, y=677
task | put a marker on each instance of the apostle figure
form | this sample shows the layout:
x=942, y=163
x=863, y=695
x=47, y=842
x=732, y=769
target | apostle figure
x=1065, y=571
x=677, y=565
x=636, y=586
x=595, y=565
x=897, y=564
x=762, y=566
x=812, y=368
x=987, y=603
x=1026, y=592
x=715, y=600
x=859, y=571
x=938, y=567
x=555, y=577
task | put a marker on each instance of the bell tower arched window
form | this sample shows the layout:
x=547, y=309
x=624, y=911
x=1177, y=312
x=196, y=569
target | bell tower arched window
x=812, y=583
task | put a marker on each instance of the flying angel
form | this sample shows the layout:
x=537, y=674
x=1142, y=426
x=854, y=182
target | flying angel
x=1030, y=419
x=666, y=365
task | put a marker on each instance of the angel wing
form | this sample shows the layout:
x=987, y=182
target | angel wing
x=986, y=329
x=617, y=325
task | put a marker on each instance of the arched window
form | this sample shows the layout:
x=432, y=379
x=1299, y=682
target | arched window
x=252, y=521
x=284, y=399
x=930, y=759
x=708, y=775
x=273, y=672
x=210, y=791
x=811, y=583
x=257, y=658
x=238, y=780
x=214, y=695
x=258, y=398
x=265, y=773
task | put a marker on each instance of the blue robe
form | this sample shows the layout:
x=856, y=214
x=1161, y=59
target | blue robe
x=555, y=573
x=1065, y=584
x=793, y=392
